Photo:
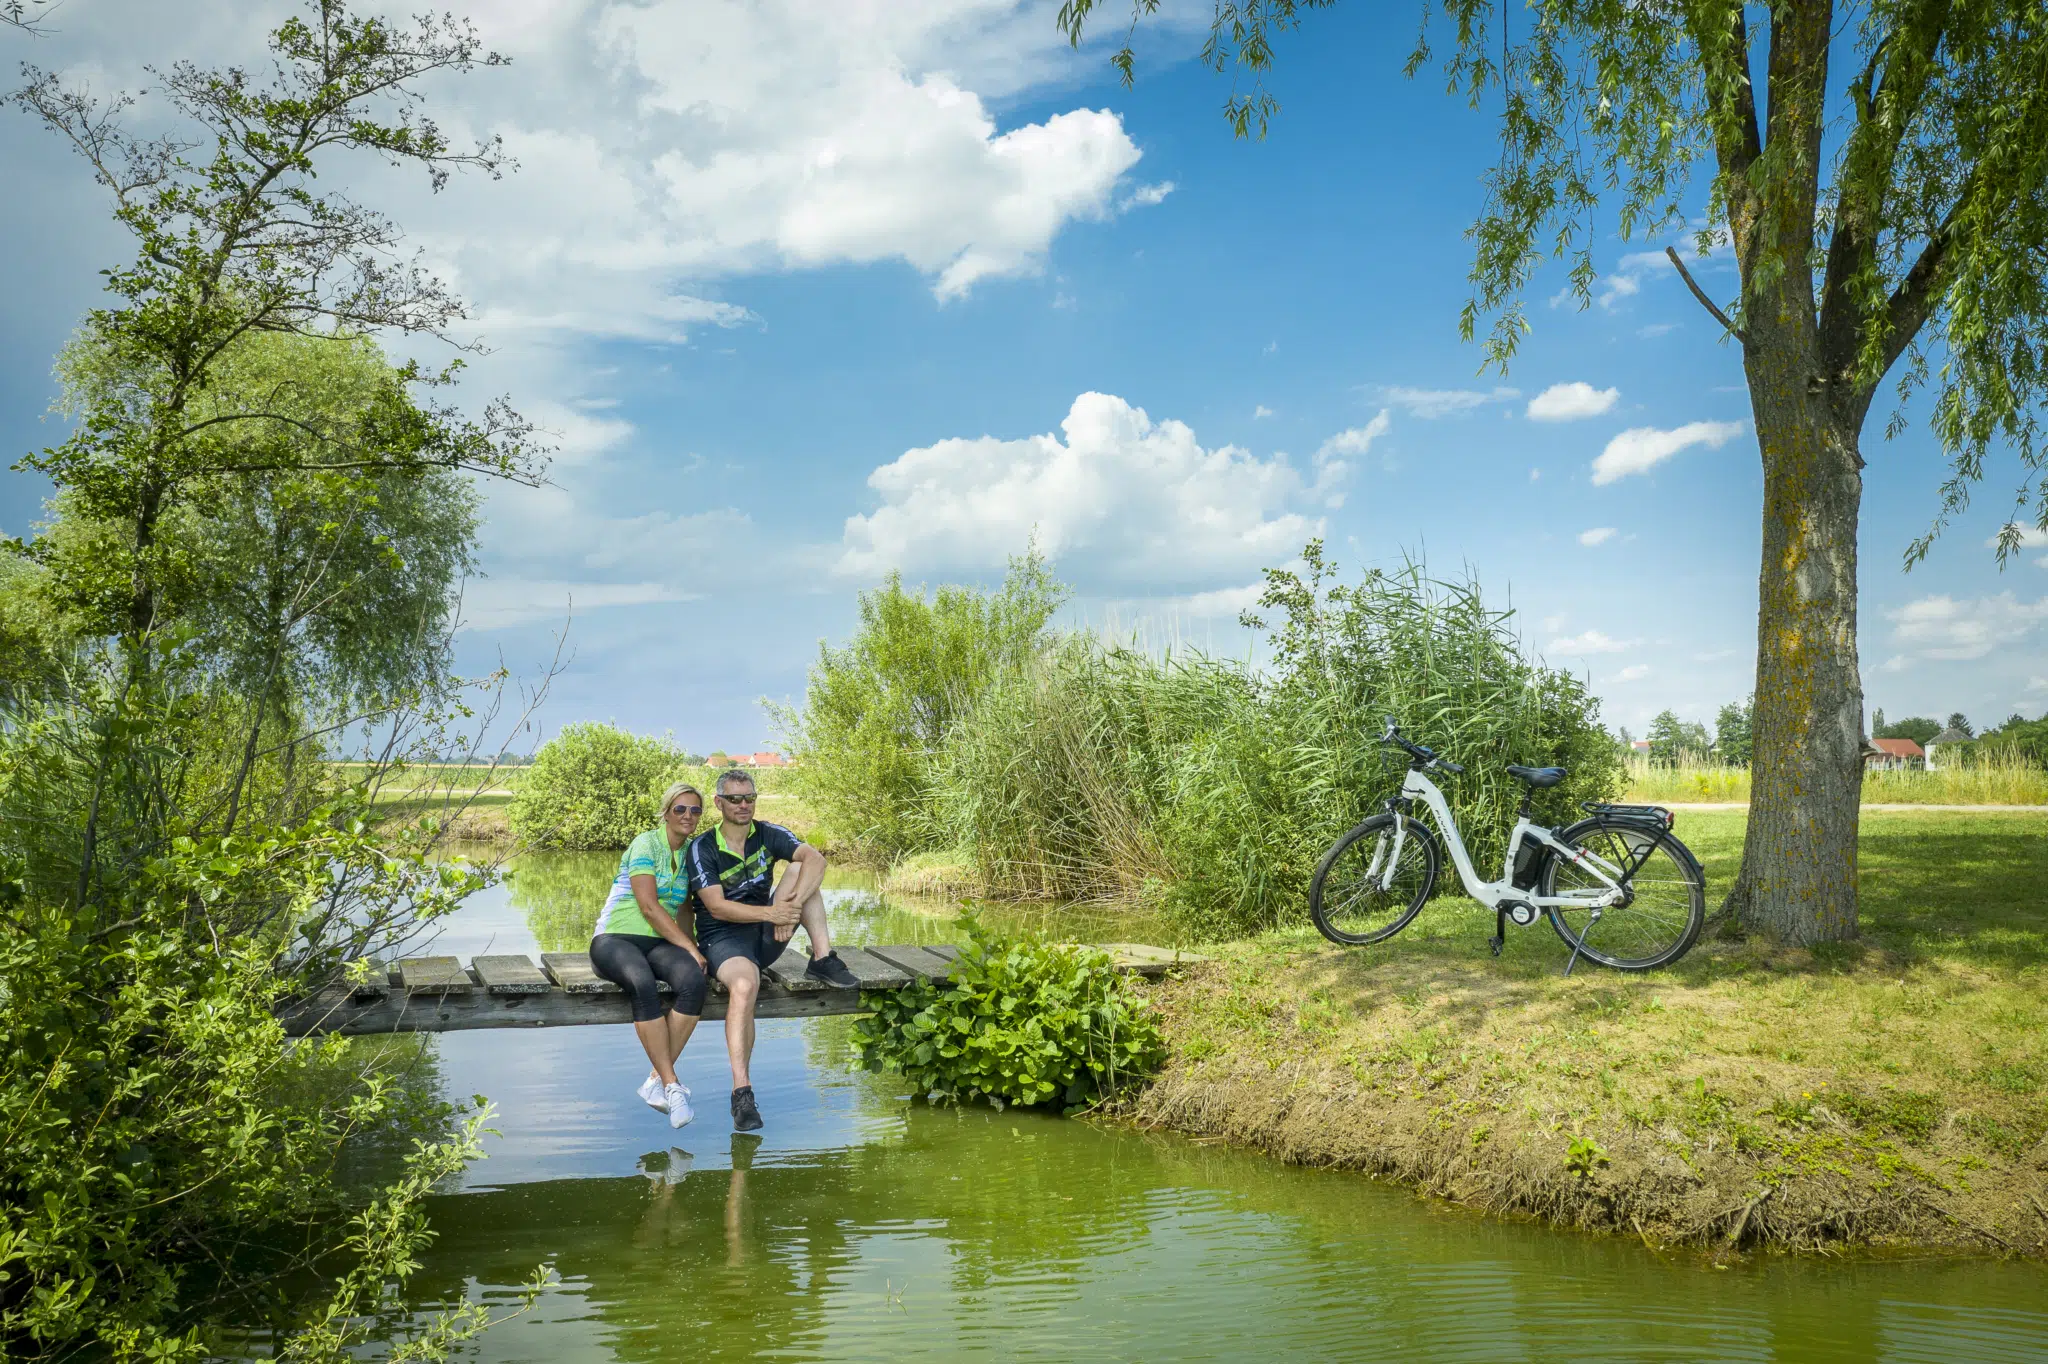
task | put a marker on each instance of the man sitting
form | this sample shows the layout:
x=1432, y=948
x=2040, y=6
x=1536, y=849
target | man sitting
x=744, y=919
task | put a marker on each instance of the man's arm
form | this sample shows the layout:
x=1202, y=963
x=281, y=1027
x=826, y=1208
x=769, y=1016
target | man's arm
x=732, y=912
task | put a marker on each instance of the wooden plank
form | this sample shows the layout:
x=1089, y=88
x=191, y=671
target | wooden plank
x=434, y=976
x=376, y=982
x=787, y=971
x=572, y=971
x=335, y=1010
x=921, y=963
x=871, y=971
x=510, y=975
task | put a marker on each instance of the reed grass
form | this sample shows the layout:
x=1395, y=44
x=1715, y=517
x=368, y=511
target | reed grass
x=1981, y=779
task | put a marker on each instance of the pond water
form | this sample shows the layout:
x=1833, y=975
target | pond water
x=860, y=1225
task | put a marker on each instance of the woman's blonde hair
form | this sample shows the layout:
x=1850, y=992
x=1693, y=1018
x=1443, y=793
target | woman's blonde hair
x=668, y=797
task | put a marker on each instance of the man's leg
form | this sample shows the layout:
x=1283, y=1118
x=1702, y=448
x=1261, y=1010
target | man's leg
x=743, y=988
x=813, y=920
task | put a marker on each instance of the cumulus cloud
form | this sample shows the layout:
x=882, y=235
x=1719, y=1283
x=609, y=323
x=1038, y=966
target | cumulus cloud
x=1599, y=535
x=1942, y=627
x=1635, y=672
x=1571, y=402
x=1430, y=403
x=1641, y=448
x=1261, y=411
x=1144, y=196
x=1591, y=642
x=1121, y=501
x=1356, y=440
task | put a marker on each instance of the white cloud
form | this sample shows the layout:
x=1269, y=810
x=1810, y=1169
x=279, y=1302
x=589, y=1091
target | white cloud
x=1224, y=602
x=1535, y=474
x=1656, y=329
x=1571, y=402
x=1599, y=535
x=1635, y=672
x=1261, y=411
x=1941, y=627
x=1591, y=642
x=1641, y=448
x=1122, y=502
x=1356, y=440
x=1144, y=196
x=2037, y=684
x=1430, y=403
x=494, y=603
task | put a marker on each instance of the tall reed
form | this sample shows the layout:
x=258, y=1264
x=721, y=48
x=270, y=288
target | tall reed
x=1993, y=778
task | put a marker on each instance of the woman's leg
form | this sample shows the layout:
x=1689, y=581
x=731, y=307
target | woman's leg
x=621, y=958
x=686, y=978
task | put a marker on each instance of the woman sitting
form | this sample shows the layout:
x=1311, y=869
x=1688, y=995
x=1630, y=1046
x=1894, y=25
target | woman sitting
x=641, y=938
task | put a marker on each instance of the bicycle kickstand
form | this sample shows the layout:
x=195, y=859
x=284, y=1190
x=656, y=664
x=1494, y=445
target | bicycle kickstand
x=1500, y=931
x=1580, y=945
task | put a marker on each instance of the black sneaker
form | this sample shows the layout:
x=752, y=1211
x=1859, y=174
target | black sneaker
x=746, y=1117
x=832, y=971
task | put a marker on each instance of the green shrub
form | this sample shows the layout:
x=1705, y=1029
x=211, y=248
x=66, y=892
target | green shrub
x=594, y=787
x=876, y=711
x=1019, y=1022
x=1210, y=790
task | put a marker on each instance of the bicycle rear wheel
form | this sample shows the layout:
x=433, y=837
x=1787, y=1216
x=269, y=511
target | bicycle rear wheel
x=1667, y=896
x=1367, y=888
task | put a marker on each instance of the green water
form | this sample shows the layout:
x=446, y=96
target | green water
x=860, y=1225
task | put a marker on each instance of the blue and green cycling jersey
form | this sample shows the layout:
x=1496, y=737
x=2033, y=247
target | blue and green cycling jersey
x=647, y=855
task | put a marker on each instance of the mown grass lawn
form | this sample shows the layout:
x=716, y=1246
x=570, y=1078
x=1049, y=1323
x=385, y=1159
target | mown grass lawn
x=1910, y=1066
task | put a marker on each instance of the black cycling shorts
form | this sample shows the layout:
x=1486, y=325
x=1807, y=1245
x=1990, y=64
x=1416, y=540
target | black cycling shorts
x=634, y=961
x=721, y=942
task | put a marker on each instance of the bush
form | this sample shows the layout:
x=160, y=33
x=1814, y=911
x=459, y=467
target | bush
x=594, y=787
x=1211, y=791
x=1020, y=1022
x=876, y=711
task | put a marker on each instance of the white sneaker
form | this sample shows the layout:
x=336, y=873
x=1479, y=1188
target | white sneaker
x=679, y=1111
x=651, y=1095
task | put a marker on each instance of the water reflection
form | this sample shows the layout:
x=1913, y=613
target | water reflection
x=861, y=1226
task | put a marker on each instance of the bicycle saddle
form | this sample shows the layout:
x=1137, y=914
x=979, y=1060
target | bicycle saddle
x=1539, y=776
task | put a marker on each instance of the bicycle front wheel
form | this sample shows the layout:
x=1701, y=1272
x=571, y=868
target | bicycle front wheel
x=1373, y=881
x=1658, y=921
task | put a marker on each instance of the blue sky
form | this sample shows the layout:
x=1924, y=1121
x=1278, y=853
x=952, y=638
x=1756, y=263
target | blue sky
x=814, y=290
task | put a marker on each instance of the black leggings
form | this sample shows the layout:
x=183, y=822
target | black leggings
x=633, y=961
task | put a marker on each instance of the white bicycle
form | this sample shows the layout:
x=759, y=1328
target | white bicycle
x=1618, y=886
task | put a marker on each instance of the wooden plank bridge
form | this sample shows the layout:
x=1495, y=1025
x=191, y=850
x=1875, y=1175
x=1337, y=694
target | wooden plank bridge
x=440, y=994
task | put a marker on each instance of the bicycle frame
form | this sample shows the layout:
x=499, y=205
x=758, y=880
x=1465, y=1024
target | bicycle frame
x=1495, y=894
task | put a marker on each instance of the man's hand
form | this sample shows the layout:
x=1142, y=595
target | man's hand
x=784, y=913
x=784, y=932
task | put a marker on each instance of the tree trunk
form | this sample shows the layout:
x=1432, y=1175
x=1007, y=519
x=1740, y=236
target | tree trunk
x=1798, y=879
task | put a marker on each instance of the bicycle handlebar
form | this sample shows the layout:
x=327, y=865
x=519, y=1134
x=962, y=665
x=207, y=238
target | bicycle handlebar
x=1421, y=753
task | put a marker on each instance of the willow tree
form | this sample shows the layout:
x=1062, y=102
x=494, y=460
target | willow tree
x=1876, y=172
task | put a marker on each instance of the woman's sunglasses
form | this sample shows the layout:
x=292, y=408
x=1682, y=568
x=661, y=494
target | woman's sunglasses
x=680, y=809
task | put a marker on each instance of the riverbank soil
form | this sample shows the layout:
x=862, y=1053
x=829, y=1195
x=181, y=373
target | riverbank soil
x=1889, y=1092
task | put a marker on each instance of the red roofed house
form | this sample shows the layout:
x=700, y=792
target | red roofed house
x=1893, y=754
x=759, y=760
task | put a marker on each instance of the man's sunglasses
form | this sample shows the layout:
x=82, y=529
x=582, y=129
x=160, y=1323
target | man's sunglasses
x=686, y=809
x=747, y=799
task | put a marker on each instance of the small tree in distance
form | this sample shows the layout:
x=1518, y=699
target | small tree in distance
x=1732, y=742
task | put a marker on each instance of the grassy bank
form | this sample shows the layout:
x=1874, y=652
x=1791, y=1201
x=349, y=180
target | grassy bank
x=1894, y=1091
x=1990, y=781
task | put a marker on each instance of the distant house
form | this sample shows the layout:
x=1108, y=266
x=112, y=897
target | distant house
x=1943, y=740
x=1640, y=745
x=1890, y=755
x=763, y=759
